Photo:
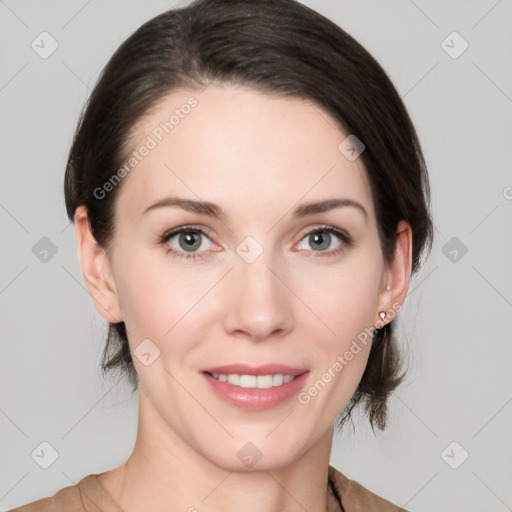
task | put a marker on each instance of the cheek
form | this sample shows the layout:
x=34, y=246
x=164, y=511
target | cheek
x=343, y=297
x=341, y=352
x=151, y=300
x=158, y=298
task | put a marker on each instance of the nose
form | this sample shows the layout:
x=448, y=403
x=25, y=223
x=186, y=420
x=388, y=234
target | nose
x=259, y=302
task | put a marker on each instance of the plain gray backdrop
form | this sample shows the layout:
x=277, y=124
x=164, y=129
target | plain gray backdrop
x=448, y=445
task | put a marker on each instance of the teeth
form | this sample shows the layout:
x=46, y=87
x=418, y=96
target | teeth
x=254, y=381
x=277, y=379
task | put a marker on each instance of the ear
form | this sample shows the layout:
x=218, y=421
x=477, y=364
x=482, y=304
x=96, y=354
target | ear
x=96, y=269
x=395, y=281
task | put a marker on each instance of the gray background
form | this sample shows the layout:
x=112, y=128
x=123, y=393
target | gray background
x=456, y=323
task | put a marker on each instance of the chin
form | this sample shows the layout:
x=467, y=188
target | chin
x=255, y=453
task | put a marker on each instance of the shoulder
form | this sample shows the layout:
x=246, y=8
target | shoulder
x=356, y=498
x=86, y=496
x=65, y=499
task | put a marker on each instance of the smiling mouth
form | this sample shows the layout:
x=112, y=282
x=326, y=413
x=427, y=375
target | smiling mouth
x=251, y=392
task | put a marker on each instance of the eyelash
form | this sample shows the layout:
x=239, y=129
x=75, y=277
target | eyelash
x=165, y=237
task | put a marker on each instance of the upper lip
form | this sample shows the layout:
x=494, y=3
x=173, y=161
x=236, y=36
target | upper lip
x=265, y=369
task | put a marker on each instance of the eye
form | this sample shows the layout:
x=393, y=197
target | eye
x=185, y=242
x=188, y=242
x=324, y=239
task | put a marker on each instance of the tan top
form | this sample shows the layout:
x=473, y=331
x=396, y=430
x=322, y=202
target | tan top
x=89, y=496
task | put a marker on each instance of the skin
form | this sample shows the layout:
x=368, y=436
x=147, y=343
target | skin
x=258, y=157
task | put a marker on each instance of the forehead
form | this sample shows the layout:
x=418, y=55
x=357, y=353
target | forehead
x=245, y=150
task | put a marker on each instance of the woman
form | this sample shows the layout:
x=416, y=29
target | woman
x=223, y=142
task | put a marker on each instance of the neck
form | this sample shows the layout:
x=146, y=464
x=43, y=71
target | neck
x=165, y=473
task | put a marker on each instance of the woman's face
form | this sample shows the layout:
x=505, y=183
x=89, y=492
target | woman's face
x=261, y=285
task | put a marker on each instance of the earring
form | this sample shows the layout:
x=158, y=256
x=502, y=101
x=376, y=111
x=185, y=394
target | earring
x=382, y=314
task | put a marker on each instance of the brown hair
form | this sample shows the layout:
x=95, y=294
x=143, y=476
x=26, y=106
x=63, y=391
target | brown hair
x=279, y=47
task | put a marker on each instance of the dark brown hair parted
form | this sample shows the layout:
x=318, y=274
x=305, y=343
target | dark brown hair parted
x=278, y=47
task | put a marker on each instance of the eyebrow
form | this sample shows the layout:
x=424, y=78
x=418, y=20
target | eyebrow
x=214, y=210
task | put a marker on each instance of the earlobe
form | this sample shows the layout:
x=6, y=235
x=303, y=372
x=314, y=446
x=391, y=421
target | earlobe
x=96, y=269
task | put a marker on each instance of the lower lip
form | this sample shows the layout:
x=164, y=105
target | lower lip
x=256, y=399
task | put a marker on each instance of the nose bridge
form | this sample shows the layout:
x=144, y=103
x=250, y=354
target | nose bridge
x=259, y=276
x=261, y=303
x=256, y=269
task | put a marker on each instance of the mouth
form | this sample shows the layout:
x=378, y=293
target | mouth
x=255, y=388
